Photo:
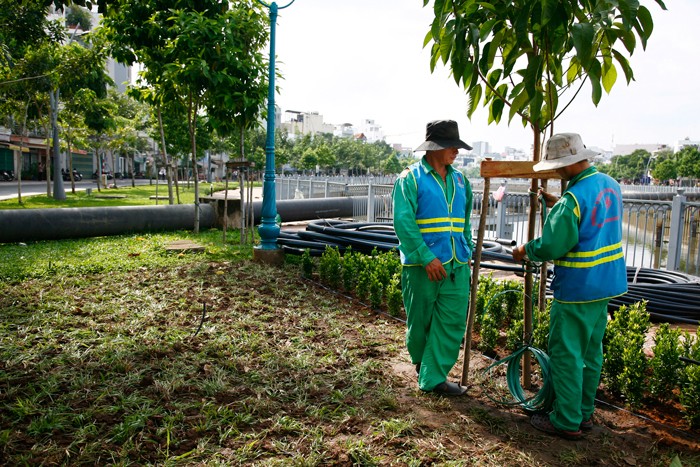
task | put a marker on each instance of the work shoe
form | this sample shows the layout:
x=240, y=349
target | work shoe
x=449, y=388
x=586, y=425
x=542, y=423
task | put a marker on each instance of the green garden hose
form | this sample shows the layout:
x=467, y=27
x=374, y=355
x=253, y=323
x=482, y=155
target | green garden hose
x=544, y=398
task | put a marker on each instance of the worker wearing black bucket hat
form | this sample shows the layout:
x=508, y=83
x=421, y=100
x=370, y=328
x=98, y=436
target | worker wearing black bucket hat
x=432, y=204
x=583, y=236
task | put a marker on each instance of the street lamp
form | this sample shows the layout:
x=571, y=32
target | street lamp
x=269, y=230
x=647, y=175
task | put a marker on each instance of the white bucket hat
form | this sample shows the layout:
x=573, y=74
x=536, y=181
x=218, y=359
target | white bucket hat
x=562, y=150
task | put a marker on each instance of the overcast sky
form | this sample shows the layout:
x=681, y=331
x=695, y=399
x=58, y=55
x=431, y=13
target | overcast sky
x=351, y=60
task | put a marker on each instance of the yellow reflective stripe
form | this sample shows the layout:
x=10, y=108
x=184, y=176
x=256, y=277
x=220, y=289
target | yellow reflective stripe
x=599, y=251
x=588, y=264
x=437, y=220
x=436, y=229
x=441, y=229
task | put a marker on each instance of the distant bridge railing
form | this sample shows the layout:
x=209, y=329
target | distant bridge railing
x=657, y=233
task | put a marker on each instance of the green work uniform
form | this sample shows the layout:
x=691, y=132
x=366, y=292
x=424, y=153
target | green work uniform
x=436, y=312
x=576, y=329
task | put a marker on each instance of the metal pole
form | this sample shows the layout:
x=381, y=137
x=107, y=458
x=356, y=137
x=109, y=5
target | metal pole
x=269, y=230
x=675, y=238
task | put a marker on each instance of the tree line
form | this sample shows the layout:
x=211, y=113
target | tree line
x=663, y=167
x=202, y=87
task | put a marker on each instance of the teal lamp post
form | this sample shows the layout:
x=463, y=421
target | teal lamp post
x=269, y=230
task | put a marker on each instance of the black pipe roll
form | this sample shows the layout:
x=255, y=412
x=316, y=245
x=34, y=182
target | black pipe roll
x=55, y=224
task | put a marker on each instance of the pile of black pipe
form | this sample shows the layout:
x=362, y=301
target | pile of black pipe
x=671, y=297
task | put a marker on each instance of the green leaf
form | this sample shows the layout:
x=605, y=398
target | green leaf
x=428, y=38
x=518, y=104
x=624, y=63
x=535, y=106
x=434, y=56
x=493, y=48
x=445, y=46
x=533, y=74
x=486, y=28
x=582, y=35
x=468, y=76
x=495, y=110
x=474, y=99
x=628, y=9
x=609, y=75
x=574, y=70
x=646, y=24
x=628, y=38
x=494, y=77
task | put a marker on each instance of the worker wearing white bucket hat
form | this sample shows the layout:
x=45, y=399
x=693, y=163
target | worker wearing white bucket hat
x=583, y=236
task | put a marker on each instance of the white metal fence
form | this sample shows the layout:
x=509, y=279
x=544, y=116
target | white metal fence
x=657, y=234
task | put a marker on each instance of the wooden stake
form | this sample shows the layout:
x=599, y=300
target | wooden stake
x=475, y=280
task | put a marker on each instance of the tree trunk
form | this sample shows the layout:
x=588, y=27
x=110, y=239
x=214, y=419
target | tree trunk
x=70, y=166
x=164, y=153
x=18, y=159
x=192, y=121
x=133, y=174
x=59, y=192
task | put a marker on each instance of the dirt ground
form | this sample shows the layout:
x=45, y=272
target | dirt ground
x=620, y=436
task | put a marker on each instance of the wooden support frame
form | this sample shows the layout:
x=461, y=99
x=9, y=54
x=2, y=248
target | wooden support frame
x=501, y=169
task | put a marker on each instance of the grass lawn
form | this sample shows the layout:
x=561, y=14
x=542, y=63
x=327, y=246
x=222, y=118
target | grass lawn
x=125, y=195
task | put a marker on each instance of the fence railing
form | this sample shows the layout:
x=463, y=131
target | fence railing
x=657, y=234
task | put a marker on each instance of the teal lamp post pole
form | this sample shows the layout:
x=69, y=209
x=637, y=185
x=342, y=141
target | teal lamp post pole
x=269, y=230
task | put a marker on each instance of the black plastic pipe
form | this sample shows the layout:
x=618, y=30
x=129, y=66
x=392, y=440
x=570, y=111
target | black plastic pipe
x=55, y=224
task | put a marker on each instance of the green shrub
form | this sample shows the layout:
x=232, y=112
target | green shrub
x=666, y=364
x=690, y=380
x=350, y=260
x=483, y=295
x=489, y=333
x=307, y=264
x=514, y=334
x=364, y=277
x=394, y=299
x=513, y=299
x=376, y=289
x=624, y=362
x=329, y=267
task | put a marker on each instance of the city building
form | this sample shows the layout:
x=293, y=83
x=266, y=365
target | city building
x=687, y=142
x=481, y=148
x=371, y=130
x=305, y=123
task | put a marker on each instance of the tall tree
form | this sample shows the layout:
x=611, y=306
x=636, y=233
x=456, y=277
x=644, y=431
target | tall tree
x=200, y=54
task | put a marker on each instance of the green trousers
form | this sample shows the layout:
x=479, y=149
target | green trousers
x=576, y=358
x=436, y=317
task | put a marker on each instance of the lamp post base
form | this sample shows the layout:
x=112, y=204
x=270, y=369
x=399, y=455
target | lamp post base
x=272, y=257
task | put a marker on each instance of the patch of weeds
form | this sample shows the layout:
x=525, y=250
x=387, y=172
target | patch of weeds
x=395, y=428
x=572, y=456
x=360, y=454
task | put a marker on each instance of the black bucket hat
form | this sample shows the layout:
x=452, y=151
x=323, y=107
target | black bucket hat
x=442, y=134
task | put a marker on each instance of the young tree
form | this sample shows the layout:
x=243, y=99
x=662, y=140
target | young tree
x=197, y=54
x=522, y=56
